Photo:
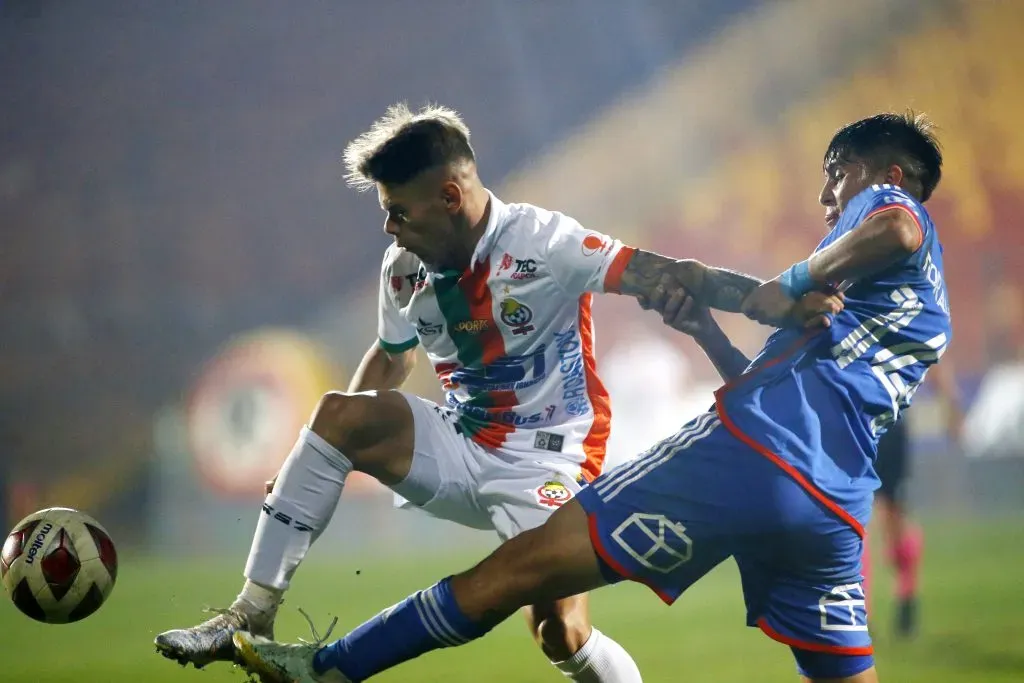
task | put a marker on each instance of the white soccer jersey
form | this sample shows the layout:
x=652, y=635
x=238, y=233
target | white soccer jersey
x=511, y=339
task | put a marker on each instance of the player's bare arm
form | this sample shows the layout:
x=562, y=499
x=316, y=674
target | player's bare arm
x=382, y=370
x=729, y=361
x=880, y=241
x=653, y=279
x=884, y=238
x=663, y=284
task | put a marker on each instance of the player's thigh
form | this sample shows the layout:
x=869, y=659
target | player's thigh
x=663, y=519
x=551, y=562
x=441, y=477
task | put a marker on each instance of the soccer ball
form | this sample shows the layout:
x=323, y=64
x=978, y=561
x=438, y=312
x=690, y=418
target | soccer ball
x=58, y=565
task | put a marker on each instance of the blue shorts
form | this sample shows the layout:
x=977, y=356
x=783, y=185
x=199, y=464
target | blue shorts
x=701, y=496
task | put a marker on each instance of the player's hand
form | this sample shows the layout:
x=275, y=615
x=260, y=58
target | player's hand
x=816, y=309
x=269, y=486
x=770, y=305
x=680, y=311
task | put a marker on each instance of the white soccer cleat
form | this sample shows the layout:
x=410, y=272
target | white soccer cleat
x=277, y=662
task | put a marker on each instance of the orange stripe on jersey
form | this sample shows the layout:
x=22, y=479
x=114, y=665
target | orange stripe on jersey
x=613, y=278
x=594, y=445
x=913, y=215
x=474, y=286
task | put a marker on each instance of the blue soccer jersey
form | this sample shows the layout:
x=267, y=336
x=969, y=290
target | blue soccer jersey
x=817, y=403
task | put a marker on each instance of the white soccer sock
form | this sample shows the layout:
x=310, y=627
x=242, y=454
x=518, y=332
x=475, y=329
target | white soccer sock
x=600, y=660
x=293, y=517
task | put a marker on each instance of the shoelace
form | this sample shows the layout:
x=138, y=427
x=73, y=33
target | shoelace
x=318, y=640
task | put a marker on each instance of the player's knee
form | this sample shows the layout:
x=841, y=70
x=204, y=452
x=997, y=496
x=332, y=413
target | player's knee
x=335, y=418
x=355, y=422
x=560, y=630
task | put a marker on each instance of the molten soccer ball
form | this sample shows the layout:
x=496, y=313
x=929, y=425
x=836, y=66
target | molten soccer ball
x=58, y=565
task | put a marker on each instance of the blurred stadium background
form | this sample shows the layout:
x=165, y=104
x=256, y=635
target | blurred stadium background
x=183, y=272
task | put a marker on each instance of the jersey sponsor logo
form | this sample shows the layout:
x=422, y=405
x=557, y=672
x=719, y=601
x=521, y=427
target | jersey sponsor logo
x=843, y=609
x=655, y=541
x=570, y=367
x=472, y=326
x=508, y=373
x=546, y=441
x=427, y=329
x=509, y=417
x=552, y=494
x=526, y=269
x=522, y=269
x=595, y=244
x=416, y=281
x=516, y=315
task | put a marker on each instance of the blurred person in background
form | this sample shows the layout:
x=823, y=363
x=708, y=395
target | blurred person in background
x=904, y=540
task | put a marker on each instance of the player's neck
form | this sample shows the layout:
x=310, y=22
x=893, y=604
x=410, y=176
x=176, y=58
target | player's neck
x=477, y=214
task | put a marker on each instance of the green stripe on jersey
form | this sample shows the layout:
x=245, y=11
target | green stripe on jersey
x=398, y=348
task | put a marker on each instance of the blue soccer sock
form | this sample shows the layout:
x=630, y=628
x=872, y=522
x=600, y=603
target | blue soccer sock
x=425, y=621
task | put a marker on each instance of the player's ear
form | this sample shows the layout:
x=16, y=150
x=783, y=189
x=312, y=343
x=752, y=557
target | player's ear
x=894, y=175
x=451, y=195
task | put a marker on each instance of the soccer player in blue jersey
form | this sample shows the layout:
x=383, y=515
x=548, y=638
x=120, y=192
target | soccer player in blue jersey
x=779, y=474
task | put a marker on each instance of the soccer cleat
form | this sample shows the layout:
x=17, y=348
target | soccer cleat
x=280, y=662
x=210, y=641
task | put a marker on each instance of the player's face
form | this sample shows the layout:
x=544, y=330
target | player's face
x=421, y=220
x=844, y=180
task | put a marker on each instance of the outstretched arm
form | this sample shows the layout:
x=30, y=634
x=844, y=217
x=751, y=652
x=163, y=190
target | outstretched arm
x=649, y=277
x=883, y=239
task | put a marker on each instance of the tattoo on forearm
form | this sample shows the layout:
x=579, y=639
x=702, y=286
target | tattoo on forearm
x=717, y=288
x=643, y=273
x=726, y=289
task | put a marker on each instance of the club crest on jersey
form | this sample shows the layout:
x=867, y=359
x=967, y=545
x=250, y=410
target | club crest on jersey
x=516, y=315
x=553, y=494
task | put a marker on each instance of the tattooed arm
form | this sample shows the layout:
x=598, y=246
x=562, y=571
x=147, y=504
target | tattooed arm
x=652, y=278
x=664, y=284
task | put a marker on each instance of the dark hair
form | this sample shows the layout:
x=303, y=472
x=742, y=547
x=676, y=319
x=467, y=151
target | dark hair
x=906, y=140
x=400, y=145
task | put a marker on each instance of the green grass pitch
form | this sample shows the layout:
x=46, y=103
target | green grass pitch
x=972, y=609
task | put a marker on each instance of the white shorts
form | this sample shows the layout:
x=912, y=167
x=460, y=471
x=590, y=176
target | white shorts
x=453, y=477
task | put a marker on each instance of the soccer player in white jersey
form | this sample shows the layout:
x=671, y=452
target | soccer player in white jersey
x=499, y=297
